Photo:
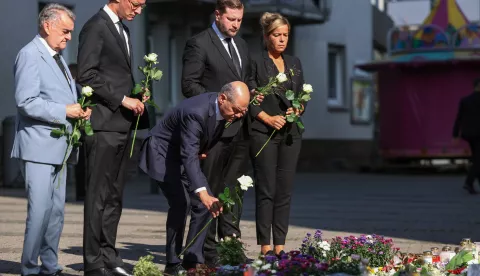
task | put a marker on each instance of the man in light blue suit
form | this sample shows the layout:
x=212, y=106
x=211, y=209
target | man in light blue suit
x=46, y=97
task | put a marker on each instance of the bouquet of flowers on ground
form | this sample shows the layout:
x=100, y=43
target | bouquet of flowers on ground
x=376, y=249
x=292, y=263
x=315, y=246
x=146, y=267
x=298, y=102
x=151, y=73
x=73, y=138
x=231, y=251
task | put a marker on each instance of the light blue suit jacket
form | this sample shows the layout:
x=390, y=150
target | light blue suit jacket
x=41, y=94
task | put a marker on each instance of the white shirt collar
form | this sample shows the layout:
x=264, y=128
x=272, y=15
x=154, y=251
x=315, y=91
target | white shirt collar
x=217, y=31
x=219, y=116
x=49, y=49
x=111, y=14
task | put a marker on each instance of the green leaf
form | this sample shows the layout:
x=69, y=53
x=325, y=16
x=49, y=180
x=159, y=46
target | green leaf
x=306, y=98
x=300, y=125
x=291, y=118
x=296, y=104
x=150, y=102
x=222, y=198
x=88, y=128
x=77, y=144
x=227, y=192
x=76, y=136
x=137, y=89
x=145, y=71
x=157, y=75
x=57, y=133
x=230, y=201
x=290, y=95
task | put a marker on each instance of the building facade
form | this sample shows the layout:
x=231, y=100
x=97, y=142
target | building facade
x=329, y=37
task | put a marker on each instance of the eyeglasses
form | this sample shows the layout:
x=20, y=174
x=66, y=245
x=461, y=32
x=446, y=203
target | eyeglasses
x=136, y=5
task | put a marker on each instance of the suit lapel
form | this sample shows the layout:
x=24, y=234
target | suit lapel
x=115, y=33
x=51, y=62
x=223, y=52
x=72, y=82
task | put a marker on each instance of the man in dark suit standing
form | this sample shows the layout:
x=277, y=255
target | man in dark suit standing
x=212, y=58
x=105, y=64
x=467, y=127
x=171, y=155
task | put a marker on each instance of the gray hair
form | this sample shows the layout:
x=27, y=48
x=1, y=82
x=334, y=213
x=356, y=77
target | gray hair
x=229, y=92
x=51, y=13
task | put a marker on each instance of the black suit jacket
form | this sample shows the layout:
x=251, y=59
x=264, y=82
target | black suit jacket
x=104, y=64
x=467, y=122
x=173, y=146
x=263, y=69
x=207, y=67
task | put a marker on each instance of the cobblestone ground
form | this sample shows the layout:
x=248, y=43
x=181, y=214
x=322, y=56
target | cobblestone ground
x=418, y=212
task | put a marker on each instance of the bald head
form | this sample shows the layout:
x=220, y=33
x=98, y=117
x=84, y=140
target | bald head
x=233, y=100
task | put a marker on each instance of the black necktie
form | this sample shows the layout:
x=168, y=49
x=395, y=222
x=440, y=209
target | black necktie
x=62, y=68
x=234, y=56
x=122, y=35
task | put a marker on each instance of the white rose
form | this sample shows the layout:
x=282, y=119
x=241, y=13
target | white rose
x=234, y=235
x=266, y=267
x=245, y=182
x=307, y=88
x=152, y=57
x=281, y=77
x=87, y=91
x=258, y=262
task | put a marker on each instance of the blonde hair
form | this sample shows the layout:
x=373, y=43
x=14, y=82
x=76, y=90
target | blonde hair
x=270, y=21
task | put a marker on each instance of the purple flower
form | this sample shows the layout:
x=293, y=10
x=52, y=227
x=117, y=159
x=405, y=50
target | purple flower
x=381, y=252
x=270, y=259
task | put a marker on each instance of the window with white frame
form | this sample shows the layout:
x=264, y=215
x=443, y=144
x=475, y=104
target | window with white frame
x=336, y=75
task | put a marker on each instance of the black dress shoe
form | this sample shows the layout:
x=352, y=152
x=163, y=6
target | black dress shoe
x=173, y=269
x=269, y=253
x=99, y=272
x=57, y=273
x=120, y=271
x=470, y=189
x=280, y=254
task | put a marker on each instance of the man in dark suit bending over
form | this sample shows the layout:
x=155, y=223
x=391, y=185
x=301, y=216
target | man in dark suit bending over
x=171, y=155
x=212, y=58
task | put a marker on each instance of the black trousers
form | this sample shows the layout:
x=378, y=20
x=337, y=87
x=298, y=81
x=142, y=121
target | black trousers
x=226, y=161
x=474, y=170
x=182, y=203
x=274, y=170
x=107, y=156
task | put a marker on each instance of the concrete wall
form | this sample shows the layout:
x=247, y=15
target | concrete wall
x=311, y=46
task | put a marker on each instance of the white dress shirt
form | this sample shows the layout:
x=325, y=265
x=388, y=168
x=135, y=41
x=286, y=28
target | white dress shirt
x=49, y=49
x=116, y=21
x=218, y=117
x=225, y=44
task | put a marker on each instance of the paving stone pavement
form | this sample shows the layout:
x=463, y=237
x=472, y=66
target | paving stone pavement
x=418, y=212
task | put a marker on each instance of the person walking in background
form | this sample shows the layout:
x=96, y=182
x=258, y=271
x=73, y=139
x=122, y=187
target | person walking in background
x=105, y=63
x=46, y=98
x=274, y=167
x=467, y=127
x=212, y=59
